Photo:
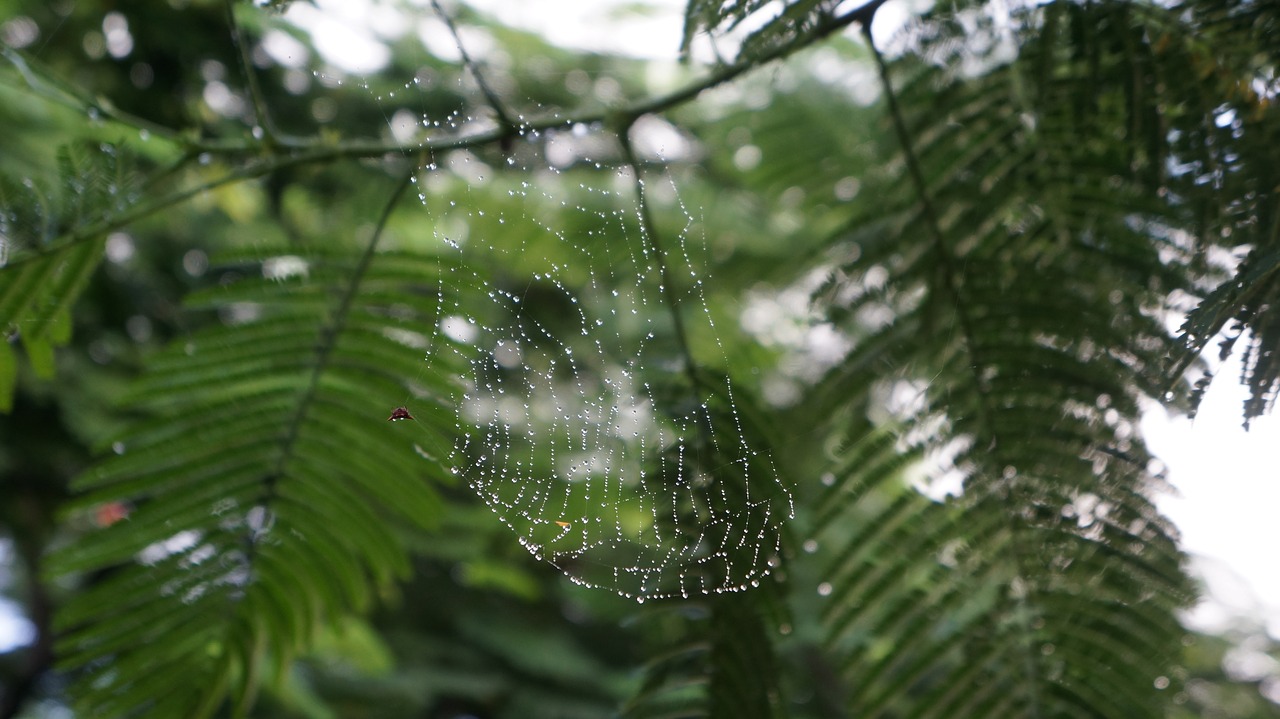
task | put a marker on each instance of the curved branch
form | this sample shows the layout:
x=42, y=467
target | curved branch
x=504, y=117
x=138, y=212
x=260, y=113
x=46, y=84
x=288, y=151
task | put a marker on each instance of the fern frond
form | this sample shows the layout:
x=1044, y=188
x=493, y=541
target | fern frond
x=769, y=25
x=253, y=520
x=1025, y=342
x=996, y=604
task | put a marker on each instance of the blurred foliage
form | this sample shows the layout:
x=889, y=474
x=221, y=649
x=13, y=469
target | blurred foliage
x=945, y=260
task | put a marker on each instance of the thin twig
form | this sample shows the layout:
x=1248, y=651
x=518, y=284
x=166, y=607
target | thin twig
x=650, y=231
x=494, y=101
x=932, y=219
x=47, y=85
x=138, y=212
x=256, y=96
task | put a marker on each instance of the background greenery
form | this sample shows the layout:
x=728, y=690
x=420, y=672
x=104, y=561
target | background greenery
x=999, y=212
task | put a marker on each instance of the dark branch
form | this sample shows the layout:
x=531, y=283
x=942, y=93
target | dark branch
x=256, y=95
x=316, y=150
x=504, y=117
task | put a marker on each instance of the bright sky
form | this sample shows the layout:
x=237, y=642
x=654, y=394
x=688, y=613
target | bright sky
x=349, y=34
x=1228, y=483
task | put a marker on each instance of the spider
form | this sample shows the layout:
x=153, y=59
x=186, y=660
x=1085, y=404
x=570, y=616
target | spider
x=399, y=413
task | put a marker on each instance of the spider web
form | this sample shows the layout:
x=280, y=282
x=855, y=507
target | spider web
x=591, y=418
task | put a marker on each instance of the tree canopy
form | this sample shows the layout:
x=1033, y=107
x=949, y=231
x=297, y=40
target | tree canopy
x=391, y=359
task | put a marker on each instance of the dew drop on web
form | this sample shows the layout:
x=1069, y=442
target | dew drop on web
x=581, y=424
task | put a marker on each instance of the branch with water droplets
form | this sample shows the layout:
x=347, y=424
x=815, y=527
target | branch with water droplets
x=504, y=117
x=46, y=84
x=281, y=150
x=257, y=97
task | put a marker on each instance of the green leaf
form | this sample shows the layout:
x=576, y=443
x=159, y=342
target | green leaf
x=40, y=352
